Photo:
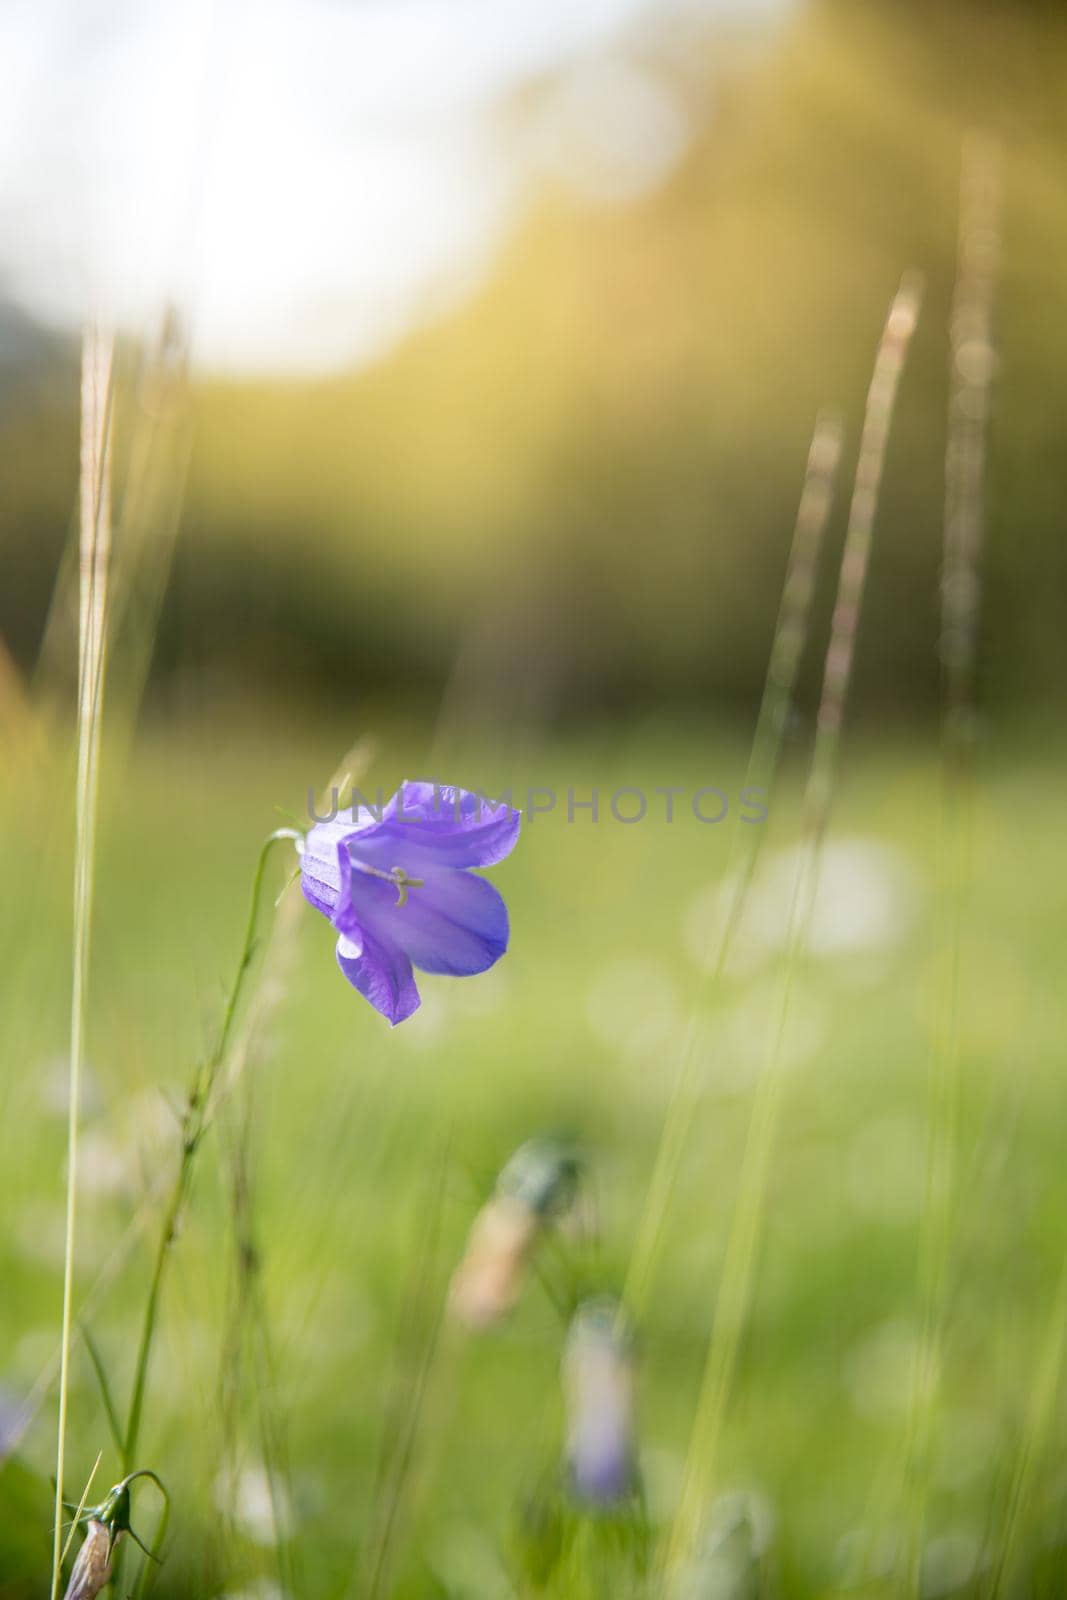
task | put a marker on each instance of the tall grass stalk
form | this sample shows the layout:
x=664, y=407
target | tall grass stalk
x=147, y=527
x=971, y=364
x=787, y=650
x=82, y=1503
x=142, y=527
x=735, y=1285
x=94, y=550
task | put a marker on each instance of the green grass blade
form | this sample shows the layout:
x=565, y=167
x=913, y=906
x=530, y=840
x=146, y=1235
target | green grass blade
x=735, y=1286
x=787, y=652
x=105, y=1389
x=82, y=1503
x=970, y=372
x=95, y=549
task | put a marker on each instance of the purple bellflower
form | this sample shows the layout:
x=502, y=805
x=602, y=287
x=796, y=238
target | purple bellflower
x=394, y=882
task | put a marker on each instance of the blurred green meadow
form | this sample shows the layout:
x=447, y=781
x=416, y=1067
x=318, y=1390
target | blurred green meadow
x=536, y=546
x=372, y=1149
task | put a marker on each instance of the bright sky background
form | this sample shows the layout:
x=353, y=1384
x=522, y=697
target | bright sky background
x=306, y=178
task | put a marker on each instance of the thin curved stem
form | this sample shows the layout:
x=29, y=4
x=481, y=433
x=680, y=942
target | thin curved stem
x=196, y=1118
x=154, y=1554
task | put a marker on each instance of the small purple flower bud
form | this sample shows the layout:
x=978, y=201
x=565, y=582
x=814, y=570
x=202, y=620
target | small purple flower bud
x=598, y=1382
x=105, y=1525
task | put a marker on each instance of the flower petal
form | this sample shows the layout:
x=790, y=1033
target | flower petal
x=320, y=868
x=453, y=923
x=382, y=974
x=427, y=826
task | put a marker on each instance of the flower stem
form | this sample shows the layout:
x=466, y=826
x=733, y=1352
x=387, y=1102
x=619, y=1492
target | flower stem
x=197, y=1116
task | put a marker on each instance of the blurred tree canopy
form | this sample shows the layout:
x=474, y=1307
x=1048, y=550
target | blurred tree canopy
x=581, y=484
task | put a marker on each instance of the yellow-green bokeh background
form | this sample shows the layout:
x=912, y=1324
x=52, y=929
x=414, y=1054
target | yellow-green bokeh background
x=541, y=543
